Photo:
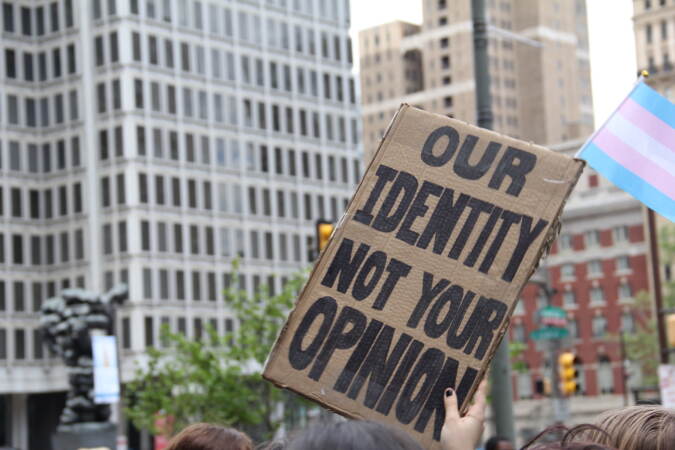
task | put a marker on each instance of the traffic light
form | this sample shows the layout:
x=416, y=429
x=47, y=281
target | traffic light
x=670, y=329
x=323, y=232
x=568, y=373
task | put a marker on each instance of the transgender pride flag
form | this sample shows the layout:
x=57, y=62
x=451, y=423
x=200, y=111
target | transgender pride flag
x=635, y=149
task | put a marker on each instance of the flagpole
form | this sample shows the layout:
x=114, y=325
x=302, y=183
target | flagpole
x=656, y=284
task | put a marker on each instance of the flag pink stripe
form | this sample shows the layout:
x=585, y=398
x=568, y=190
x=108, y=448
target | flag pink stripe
x=644, y=168
x=648, y=122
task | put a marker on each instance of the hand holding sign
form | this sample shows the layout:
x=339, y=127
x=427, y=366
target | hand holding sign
x=463, y=433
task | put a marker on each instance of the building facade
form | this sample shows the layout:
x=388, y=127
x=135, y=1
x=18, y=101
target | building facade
x=596, y=268
x=152, y=142
x=654, y=26
x=540, y=73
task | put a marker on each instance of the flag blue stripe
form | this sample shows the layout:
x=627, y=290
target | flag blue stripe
x=628, y=181
x=654, y=102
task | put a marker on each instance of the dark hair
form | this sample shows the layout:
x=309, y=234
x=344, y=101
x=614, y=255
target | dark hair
x=493, y=442
x=204, y=436
x=559, y=437
x=353, y=435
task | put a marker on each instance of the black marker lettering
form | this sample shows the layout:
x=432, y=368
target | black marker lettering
x=428, y=148
x=517, y=171
x=385, y=174
x=347, y=330
x=299, y=358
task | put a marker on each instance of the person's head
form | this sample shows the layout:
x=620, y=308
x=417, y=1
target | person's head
x=641, y=427
x=353, y=435
x=559, y=437
x=204, y=436
x=498, y=443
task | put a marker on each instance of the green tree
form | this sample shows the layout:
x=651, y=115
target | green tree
x=642, y=346
x=217, y=379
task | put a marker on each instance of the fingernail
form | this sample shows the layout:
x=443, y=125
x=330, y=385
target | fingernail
x=448, y=392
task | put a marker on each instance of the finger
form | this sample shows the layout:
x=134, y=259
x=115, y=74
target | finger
x=477, y=410
x=450, y=400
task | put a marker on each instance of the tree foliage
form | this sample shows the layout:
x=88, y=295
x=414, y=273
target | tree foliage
x=642, y=346
x=216, y=379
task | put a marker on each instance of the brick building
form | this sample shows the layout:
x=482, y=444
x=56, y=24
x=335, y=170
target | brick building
x=596, y=267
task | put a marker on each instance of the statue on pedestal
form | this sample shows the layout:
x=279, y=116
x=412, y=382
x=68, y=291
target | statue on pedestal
x=67, y=323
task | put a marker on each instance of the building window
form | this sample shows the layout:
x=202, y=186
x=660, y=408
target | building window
x=524, y=385
x=625, y=291
x=126, y=333
x=623, y=264
x=147, y=283
x=605, y=375
x=567, y=271
x=627, y=323
x=8, y=18
x=597, y=295
x=569, y=299
x=19, y=344
x=149, y=332
x=620, y=234
x=595, y=268
x=565, y=242
x=592, y=238
x=599, y=326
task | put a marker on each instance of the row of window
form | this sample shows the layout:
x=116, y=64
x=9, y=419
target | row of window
x=28, y=66
x=591, y=238
x=598, y=327
x=252, y=71
x=23, y=292
x=170, y=191
x=649, y=34
x=44, y=158
x=194, y=58
x=604, y=379
x=50, y=249
x=596, y=295
x=153, y=325
x=166, y=144
x=37, y=21
x=223, y=109
x=221, y=20
x=166, y=284
x=43, y=112
x=43, y=204
x=594, y=268
x=161, y=237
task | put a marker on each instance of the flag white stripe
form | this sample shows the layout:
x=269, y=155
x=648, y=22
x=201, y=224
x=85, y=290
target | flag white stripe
x=641, y=142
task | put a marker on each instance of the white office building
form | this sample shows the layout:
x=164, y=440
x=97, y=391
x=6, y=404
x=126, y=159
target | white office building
x=150, y=142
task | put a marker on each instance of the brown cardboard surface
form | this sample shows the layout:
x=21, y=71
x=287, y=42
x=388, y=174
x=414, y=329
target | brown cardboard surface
x=419, y=280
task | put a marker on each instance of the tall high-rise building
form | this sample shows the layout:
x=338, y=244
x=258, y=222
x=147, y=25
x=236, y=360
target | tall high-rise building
x=539, y=68
x=655, y=42
x=151, y=142
x=654, y=28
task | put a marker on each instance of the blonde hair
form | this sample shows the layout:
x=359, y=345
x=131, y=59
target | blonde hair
x=641, y=427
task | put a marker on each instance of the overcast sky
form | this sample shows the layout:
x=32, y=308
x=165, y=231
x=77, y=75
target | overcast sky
x=612, y=42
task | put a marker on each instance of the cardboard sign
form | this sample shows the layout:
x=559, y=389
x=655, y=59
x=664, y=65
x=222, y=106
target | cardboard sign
x=416, y=287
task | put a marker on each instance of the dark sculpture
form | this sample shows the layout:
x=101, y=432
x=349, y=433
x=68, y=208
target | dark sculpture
x=67, y=323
